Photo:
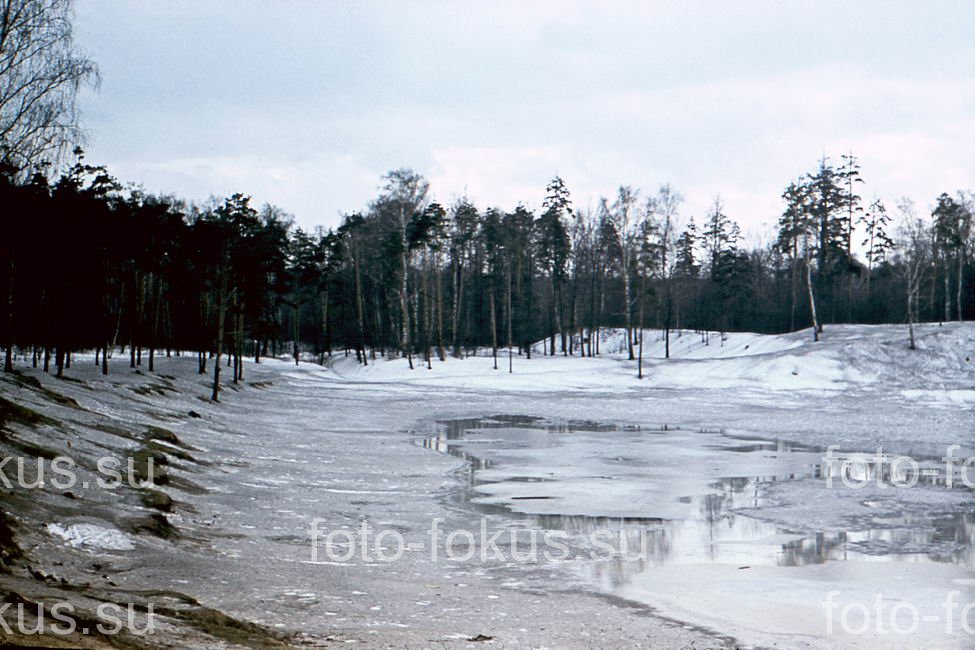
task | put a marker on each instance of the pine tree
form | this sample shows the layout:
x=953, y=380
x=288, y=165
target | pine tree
x=877, y=243
x=554, y=248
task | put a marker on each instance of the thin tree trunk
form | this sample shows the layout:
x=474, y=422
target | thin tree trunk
x=458, y=302
x=157, y=290
x=221, y=315
x=961, y=276
x=911, y=307
x=405, y=342
x=947, y=291
x=626, y=313
x=812, y=301
x=494, y=324
x=325, y=328
x=359, y=306
x=439, y=280
x=296, y=332
x=509, y=317
x=8, y=357
x=239, y=343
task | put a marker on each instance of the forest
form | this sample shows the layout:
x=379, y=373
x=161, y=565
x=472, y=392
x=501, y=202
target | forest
x=90, y=263
x=127, y=272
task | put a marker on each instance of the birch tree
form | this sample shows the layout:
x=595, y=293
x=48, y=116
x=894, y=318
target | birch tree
x=41, y=72
x=404, y=194
x=625, y=220
x=913, y=253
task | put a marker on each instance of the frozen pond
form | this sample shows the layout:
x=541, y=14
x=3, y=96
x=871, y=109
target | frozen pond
x=745, y=534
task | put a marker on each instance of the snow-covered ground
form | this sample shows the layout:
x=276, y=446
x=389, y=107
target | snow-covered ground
x=717, y=458
x=872, y=358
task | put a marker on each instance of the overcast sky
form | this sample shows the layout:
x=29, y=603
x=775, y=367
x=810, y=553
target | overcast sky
x=306, y=104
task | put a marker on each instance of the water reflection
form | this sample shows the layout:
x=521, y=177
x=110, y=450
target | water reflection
x=712, y=528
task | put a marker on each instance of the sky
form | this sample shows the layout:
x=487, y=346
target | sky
x=306, y=104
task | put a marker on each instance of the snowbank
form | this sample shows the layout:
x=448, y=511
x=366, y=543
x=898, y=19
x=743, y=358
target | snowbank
x=847, y=357
x=92, y=536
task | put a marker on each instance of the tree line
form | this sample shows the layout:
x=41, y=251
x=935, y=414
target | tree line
x=87, y=264
x=123, y=270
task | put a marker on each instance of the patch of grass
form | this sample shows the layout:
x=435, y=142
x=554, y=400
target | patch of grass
x=159, y=433
x=11, y=413
x=9, y=551
x=226, y=628
x=177, y=452
x=18, y=378
x=149, y=390
x=30, y=449
x=111, y=430
x=155, y=524
x=89, y=621
x=26, y=381
x=149, y=465
x=63, y=400
x=184, y=485
x=156, y=500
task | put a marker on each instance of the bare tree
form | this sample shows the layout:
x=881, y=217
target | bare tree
x=404, y=194
x=41, y=72
x=666, y=213
x=625, y=219
x=913, y=253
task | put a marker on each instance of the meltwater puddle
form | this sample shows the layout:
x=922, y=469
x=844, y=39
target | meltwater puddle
x=749, y=536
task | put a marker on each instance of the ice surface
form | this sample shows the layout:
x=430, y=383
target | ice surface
x=715, y=459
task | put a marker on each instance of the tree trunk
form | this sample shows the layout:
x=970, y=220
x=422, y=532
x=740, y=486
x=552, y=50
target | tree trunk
x=156, y=296
x=494, y=324
x=667, y=316
x=359, y=307
x=812, y=301
x=508, y=314
x=404, y=301
x=325, y=328
x=592, y=303
x=8, y=357
x=961, y=276
x=626, y=313
x=911, y=306
x=458, y=302
x=221, y=314
x=439, y=281
x=795, y=294
x=947, y=291
x=296, y=332
x=239, y=343
x=528, y=310
x=639, y=363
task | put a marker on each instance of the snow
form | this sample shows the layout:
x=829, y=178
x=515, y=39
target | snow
x=848, y=356
x=92, y=536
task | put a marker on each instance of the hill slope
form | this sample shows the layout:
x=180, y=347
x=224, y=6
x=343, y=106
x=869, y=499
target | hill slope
x=847, y=357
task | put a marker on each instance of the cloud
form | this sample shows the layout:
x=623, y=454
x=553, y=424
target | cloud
x=308, y=105
x=308, y=189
